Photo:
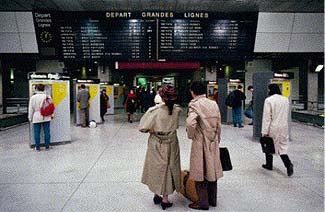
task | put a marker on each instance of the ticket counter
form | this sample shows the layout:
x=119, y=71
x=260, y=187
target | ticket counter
x=56, y=86
x=92, y=85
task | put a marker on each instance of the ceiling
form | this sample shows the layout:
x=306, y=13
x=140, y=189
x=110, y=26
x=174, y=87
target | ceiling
x=166, y=5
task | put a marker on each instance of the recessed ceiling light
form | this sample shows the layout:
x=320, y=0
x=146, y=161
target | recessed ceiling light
x=319, y=68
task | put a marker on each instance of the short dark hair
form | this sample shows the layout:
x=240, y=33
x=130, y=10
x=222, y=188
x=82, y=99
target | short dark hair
x=274, y=89
x=82, y=86
x=198, y=88
x=239, y=87
x=249, y=87
x=40, y=87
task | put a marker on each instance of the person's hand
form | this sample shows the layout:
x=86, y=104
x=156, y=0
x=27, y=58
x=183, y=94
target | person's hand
x=265, y=135
x=151, y=131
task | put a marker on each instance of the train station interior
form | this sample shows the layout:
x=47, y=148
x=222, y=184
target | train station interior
x=144, y=45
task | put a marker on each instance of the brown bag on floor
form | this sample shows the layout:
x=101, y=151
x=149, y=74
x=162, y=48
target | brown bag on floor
x=188, y=186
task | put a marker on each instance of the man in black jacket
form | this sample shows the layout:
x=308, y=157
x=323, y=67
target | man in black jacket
x=237, y=107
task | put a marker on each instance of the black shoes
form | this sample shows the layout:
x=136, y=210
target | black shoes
x=290, y=170
x=240, y=126
x=157, y=199
x=267, y=167
x=165, y=205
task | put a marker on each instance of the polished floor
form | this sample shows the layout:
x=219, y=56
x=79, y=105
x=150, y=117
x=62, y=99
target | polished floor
x=100, y=170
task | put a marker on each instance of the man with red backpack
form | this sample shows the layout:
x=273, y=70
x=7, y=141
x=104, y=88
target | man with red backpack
x=40, y=113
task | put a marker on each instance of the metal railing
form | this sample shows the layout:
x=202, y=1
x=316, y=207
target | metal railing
x=16, y=105
x=313, y=107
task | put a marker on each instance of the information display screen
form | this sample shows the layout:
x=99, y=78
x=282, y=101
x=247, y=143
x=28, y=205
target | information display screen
x=145, y=36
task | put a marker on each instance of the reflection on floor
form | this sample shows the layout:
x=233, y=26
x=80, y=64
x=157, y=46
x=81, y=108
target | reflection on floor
x=100, y=170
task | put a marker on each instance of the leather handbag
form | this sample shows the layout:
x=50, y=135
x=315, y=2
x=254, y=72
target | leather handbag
x=225, y=159
x=267, y=145
x=188, y=186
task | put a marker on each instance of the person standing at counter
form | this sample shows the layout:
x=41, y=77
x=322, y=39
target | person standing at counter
x=38, y=120
x=83, y=98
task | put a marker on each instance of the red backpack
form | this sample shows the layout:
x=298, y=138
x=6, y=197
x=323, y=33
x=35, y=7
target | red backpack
x=47, y=107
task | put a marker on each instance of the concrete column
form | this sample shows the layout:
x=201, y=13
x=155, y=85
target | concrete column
x=1, y=96
x=103, y=73
x=211, y=74
x=312, y=91
x=49, y=66
x=197, y=75
x=252, y=67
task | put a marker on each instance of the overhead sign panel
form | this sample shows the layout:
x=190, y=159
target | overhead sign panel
x=146, y=36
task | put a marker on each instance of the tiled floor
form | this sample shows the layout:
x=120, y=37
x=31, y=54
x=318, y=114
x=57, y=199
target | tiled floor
x=100, y=170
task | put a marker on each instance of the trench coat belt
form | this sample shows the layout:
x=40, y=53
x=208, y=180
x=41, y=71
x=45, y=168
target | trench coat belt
x=165, y=138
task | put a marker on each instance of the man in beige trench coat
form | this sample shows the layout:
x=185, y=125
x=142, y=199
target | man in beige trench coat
x=275, y=125
x=203, y=125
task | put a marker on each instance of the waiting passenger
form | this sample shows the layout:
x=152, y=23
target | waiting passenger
x=275, y=125
x=83, y=98
x=38, y=120
x=237, y=107
x=249, y=110
x=203, y=125
x=104, y=104
x=161, y=170
x=130, y=103
x=158, y=99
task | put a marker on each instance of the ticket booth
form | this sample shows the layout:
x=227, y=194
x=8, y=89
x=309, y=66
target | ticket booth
x=92, y=85
x=57, y=86
x=224, y=88
x=110, y=93
x=212, y=87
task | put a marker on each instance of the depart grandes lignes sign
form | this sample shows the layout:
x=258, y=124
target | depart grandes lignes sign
x=145, y=36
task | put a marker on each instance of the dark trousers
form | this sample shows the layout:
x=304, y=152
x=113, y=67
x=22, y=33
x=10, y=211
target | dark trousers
x=207, y=192
x=269, y=160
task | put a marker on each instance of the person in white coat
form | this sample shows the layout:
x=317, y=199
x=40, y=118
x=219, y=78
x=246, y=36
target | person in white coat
x=39, y=121
x=275, y=125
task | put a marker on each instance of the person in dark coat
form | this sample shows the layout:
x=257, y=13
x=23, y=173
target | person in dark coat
x=103, y=104
x=146, y=100
x=237, y=107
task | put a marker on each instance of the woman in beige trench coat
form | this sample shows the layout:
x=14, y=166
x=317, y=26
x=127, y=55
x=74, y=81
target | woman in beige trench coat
x=203, y=125
x=275, y=125
x=161, y=170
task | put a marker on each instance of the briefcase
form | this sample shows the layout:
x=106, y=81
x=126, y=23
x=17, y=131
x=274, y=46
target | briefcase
x=267, y=145
x=225, y=159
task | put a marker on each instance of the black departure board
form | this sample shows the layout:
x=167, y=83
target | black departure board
x=206, y=39
x=114, y=40
x=145, y=36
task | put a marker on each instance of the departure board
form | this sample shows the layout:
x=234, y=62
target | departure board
x=146, y=36
x=205, y=39
x=115, y=40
